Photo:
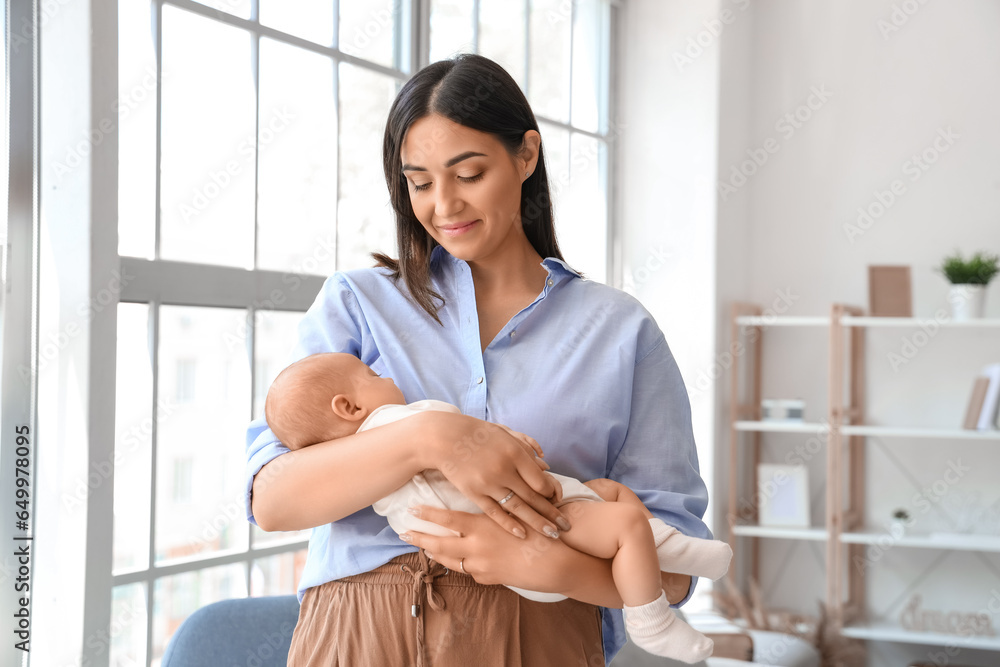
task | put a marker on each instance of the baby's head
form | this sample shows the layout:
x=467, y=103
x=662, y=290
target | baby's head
x=323, y=397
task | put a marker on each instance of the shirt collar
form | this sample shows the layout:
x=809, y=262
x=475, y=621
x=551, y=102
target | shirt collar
x=558, y=269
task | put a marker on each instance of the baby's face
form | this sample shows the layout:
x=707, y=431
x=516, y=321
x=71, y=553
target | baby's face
x=370, y=390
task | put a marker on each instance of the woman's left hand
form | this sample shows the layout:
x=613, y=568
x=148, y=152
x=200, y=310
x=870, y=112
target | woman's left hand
x=491, y=555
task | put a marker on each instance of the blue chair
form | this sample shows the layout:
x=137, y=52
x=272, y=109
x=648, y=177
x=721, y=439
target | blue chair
x=248, y=631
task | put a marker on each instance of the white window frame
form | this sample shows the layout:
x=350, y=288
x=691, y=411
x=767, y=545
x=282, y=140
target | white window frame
x=76, y=259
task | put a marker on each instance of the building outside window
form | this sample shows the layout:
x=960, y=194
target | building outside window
x=249, y=169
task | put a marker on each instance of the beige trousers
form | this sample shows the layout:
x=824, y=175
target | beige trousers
x=415, y=612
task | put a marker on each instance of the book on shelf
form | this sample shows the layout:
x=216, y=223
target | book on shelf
x=991, y=399
x=976, y=403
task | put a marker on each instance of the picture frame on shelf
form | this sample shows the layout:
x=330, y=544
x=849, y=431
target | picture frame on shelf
x=889, y=292
x=784, y=495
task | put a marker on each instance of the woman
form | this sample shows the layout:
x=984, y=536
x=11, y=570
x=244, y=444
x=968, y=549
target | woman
x=479, y=311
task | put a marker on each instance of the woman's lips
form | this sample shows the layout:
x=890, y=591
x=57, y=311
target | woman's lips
x=458, y=229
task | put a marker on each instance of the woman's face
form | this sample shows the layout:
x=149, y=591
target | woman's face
x=465, y=188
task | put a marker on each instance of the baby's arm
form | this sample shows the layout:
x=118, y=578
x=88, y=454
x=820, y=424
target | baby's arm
x=615, y=492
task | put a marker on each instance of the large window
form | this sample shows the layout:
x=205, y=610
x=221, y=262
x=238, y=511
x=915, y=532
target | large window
x=249, y=136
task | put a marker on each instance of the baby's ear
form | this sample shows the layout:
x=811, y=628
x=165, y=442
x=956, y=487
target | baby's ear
x=345, y=408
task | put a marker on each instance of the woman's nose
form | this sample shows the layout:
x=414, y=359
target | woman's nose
x=447, y=203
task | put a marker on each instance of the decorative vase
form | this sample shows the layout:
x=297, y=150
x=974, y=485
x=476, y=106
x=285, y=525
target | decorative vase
x=968, y=302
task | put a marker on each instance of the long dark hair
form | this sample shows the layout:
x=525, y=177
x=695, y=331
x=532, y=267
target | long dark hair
x=475, y=92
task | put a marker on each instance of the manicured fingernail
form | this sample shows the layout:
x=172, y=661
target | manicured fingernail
x=563, y=523
x=405, y=537
x=551, y=532
x=415, y=511
x=520, y=532
x=428, y=554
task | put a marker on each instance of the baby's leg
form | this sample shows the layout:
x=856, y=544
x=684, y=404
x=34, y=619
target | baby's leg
x=682, y=554
x=677, y=552
x=655, y=628
x=620, y=532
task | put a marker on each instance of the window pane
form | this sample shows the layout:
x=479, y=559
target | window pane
x=364, y=216
x=209, y=142
x=548, y=84
x=239, y=8
x=451, y=28
x=199, y=466
x=275, y=334
x=133, y=439
x=590, y=48
x=501, y=35
x=277, y=575
x=583, y=228
x=297, y=198
x=128, y=626
x=136, y=120
x=4, y=147
x=177, y=597
x=368, y=30
x=309, y=19
x=555, y=147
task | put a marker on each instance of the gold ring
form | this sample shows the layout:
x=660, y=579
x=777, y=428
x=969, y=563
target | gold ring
x=507, y=497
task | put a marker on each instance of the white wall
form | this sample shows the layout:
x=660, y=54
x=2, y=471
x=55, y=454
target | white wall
x=668, y=142
x=879, y=95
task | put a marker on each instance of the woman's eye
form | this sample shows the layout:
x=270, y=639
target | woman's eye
x=421, y=186
x=471, y=179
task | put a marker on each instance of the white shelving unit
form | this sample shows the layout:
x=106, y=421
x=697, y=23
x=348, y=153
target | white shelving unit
x=846, y=433
x=911, y=322
x=918, y=432
x=848, y=422
x=814, y=534
x=952, y=541
x=887, y=632
x=782, y=427
x=747, y=427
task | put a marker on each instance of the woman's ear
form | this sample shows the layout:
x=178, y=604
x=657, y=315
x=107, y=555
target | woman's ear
x=531, y=145
x=347, y=409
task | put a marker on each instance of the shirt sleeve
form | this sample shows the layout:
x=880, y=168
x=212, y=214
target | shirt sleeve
x=658, y=459
x=333, y=323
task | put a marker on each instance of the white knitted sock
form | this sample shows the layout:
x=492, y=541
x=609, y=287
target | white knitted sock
x=689, y=555
x=655, y=628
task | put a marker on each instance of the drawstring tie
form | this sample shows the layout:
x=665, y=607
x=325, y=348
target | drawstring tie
x=423, y=586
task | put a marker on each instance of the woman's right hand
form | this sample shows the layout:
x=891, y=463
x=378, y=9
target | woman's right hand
x=486, y=462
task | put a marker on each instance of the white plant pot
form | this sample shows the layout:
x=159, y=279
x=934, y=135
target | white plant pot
x=968, y=302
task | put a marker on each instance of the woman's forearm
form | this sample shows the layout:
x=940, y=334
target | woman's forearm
x=325, y=482
x=588, y=579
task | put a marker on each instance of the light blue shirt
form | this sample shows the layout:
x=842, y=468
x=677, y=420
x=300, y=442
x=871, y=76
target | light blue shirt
x=583, y=369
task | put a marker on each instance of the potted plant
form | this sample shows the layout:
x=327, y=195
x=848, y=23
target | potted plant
x=900, y=520
x=968, y=278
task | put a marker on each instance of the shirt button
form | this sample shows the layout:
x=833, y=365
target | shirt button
x=513, y=333
x=548, y=282
x=479, y=380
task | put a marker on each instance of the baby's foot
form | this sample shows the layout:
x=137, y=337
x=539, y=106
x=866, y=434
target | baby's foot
x=681, y=554
x=655, y=628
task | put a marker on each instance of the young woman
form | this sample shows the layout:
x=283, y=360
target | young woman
x=479, y=310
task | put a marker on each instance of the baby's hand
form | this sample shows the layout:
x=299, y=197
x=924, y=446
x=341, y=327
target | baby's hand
x=557, y=496
x=532, y=445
